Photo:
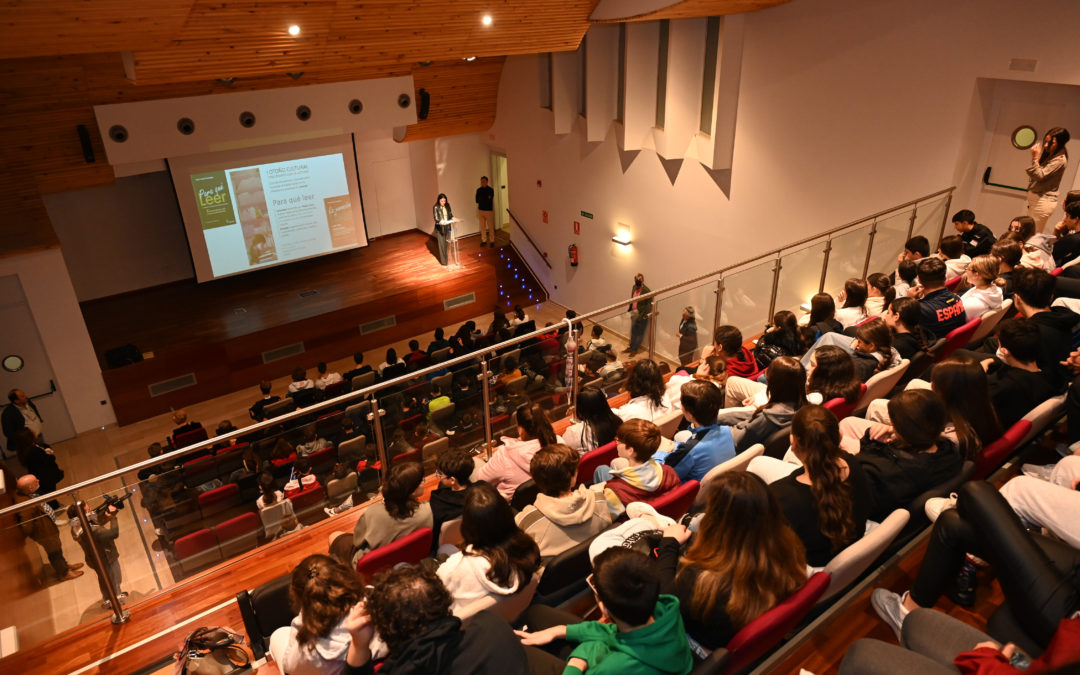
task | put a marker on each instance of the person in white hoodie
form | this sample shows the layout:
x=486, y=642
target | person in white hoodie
x=317, y=641
x=498, y=560
x=508, y=466
x=561, y=517
x=986, y=291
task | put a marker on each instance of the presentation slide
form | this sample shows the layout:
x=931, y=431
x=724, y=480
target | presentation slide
x=260, y=207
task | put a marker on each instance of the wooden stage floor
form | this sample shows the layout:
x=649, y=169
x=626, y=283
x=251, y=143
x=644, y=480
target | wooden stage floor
x=187, y=313
x=228, y=334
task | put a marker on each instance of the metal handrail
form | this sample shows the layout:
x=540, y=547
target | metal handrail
x=480, y=354
x=543, y=256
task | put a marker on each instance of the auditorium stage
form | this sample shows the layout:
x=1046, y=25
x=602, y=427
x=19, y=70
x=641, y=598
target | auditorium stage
x=221, y=336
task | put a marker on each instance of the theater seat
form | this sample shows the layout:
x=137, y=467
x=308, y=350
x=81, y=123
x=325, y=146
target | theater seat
x=995, y=454
x=847, y=565
x=564, y=575
x=958, y=338
x=189, y=438
x=524, y=495
x=196, y=550
x=264, y=610
x=768, y=630
x=279, y=408
x=213, y=502
x=842, y=409
x=238, y=535
x=676, y=503
x=411, y=549
x=594, y=459
x=309, y=504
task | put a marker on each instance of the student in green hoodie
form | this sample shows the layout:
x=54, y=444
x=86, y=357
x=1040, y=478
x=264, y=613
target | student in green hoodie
x=642, y=631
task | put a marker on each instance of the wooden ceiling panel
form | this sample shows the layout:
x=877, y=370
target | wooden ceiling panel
x=244, y=38
x=52, y=27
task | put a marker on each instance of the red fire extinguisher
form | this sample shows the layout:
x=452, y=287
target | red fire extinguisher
x=572, y=250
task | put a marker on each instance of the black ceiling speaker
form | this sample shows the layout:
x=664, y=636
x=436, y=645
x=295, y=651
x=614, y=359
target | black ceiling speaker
x=303, y=113
x=185, y=125
x=423, y=104
x=403, y=101
x=87, y=146
x=356, y=106
x=118, y=133
x=247, y=119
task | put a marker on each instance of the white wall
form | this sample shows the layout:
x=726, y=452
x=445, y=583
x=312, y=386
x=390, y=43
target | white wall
x=451, y=165
x=845, y=108
x=385, y=183
x=49, y=292
x=121, y=237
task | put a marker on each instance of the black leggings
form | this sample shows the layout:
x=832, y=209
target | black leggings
x=1037, y=574
x=1072, y=410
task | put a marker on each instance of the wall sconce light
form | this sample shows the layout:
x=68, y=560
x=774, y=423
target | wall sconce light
x=623, y=239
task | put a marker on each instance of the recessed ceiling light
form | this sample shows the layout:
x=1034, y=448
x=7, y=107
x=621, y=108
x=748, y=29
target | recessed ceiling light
x=486, y=20
x=294, y=30
x=470, y=58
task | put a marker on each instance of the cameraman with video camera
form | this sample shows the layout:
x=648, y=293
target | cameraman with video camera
x=105, y=530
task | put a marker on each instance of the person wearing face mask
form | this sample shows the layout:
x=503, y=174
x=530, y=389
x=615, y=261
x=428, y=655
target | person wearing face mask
x=640, y=311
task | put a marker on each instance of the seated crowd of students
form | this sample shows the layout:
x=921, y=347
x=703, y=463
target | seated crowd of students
x=753, y=537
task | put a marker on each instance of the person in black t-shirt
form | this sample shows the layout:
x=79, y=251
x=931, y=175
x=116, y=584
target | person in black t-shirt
x=359, y=369
x=485, y=215
x=1016, y=384
x=453, y=469
x=257, y=411
x=977, y=237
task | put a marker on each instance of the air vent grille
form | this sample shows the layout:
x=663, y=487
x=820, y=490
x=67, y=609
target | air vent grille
x=459, y=301
x=378, y=324
x=175, y=384
x=285, y=352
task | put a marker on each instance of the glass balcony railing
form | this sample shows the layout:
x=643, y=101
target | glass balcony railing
x=196, y=506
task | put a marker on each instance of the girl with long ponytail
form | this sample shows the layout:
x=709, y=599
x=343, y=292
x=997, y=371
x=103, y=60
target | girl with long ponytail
x=827, y=500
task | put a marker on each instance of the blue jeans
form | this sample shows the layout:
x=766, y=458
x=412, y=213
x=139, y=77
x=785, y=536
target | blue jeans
x=637, y=332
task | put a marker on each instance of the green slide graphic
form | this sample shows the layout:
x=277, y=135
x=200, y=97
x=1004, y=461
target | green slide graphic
x=213, y=198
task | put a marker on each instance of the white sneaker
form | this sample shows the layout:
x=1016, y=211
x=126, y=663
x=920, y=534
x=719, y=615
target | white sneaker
x=1042, y=472
x=643, y=510
x=890, y=607
x=935, y=505
x=329, y=511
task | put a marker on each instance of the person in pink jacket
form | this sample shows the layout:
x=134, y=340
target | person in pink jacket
x=509, y=464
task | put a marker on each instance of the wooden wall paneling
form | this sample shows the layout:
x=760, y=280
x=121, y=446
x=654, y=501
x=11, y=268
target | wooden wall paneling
x=464, y=96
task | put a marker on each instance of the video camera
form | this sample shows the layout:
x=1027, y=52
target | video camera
x=116, y=501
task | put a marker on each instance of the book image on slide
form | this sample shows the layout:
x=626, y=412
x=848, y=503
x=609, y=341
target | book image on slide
x=254, y=217
x=340, y=221
x=213, y=200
